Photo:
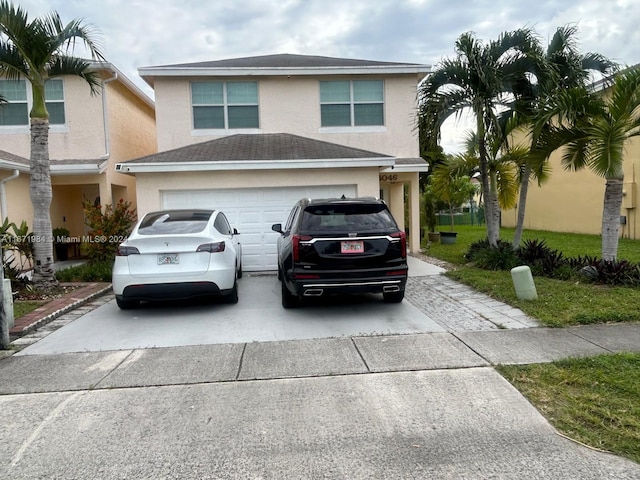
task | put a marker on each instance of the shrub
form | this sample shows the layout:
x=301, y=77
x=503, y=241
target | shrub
x=501, y=257
x=532, y=250
x=477, y=247
x=547, y=262
x=98, y=271
x=17, y=245
x=108, y=229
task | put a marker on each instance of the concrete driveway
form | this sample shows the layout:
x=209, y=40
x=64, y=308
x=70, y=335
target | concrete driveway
x=257, y=317
x=432, y=304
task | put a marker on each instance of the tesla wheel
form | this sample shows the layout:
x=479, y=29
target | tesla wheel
x=393, y=297
x=288, y=299
x=233, y=296
x=240, y=271
x=126, y=304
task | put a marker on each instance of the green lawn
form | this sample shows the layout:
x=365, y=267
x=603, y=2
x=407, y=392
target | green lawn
x=22, y=307
x=592, y=400
x=570, y=244
x=560, y=303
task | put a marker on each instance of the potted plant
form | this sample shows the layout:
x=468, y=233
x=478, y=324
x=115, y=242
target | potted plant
x=60, y=243
x=429, y=202
x=454, y=190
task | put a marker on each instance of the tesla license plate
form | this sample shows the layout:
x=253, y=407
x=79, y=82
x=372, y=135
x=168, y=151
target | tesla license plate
x=168, y=259
x=355, y=246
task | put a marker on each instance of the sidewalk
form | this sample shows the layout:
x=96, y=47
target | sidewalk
x=323, y=357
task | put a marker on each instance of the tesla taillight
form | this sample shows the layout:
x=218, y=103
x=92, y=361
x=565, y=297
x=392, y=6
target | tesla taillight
x=211, y=247
x=126, y=251
x=403, y=242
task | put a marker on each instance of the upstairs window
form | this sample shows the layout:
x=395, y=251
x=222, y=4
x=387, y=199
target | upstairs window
x=352, y=103
x=224, y=105
x=54, y=100
x=16, y=111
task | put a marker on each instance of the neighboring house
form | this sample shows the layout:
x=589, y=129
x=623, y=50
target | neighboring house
x=250, y=136
x=88, y=135
x=573, y=201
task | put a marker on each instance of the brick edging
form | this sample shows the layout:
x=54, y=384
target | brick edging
x=71, y=301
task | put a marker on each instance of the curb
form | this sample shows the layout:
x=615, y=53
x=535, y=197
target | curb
x=54, y=309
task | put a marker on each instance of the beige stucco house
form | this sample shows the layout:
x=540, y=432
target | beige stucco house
x=88, y=135
x=250, y=136
x=573, y=201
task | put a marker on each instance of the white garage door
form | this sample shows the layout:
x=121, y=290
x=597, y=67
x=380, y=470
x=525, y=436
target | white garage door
x=252, y=212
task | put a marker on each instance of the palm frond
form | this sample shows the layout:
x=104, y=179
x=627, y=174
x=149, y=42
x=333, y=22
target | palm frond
x=77, y=67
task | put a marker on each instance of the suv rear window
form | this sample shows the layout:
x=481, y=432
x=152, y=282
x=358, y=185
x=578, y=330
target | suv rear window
x=347, y=217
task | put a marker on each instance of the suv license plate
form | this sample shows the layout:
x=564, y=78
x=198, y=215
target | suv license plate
x=352, y=247
x=168, y=259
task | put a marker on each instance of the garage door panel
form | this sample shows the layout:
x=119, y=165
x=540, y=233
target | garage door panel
x=253, y=211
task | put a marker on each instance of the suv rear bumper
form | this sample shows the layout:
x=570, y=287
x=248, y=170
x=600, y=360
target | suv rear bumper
x=307, y=287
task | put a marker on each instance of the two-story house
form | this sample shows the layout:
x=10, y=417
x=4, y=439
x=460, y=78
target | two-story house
x=88, y=135
x=250, y=136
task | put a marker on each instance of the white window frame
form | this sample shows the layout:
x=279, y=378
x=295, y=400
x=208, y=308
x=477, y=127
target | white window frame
x=196, y=132
x=354, y=128
x=63, y=101
x=26, y=128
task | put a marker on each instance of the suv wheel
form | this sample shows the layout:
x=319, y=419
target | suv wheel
x=393, y=297
x=288, y=299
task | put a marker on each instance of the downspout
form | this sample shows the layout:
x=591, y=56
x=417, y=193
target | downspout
x=105, y=117
x=3, y=194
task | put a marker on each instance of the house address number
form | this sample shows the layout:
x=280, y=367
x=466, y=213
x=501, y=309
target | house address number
x=389, y=178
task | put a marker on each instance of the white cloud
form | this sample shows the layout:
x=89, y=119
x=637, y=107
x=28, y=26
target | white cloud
x=138, y=33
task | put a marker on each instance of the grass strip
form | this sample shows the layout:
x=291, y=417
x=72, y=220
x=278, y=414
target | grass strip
x=592, y=400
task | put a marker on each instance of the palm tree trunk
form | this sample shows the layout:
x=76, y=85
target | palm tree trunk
x=4, y=321
x=492, y=198
x=522, y=203
x=611, y=218
x=41, y=194
x=493, y=233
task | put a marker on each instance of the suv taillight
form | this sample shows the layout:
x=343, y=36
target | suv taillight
x=295, y=245
x=403, y=242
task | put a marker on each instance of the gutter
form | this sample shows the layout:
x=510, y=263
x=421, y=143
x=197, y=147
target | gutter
x=199, y=166
x=105, y=119
x=3, y=193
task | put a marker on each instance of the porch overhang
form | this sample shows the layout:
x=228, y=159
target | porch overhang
x=8, y=165
x=230, y=165
x=78, y=168
x=407, y=165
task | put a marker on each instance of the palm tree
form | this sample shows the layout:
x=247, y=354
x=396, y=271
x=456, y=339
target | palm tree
x=503, y=165
x=482, y=78
x=37, y=51
x=594, y=129
x=564, y=67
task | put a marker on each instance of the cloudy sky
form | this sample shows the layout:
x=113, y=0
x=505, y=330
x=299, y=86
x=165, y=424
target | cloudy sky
x=139, y=33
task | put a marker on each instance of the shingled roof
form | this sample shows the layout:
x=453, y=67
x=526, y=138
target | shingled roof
x=7, y=157
x=286, y=60
x=261, y=147
x=282, y=64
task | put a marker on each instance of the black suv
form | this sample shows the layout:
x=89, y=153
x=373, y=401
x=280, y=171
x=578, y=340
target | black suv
x=341, y=246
